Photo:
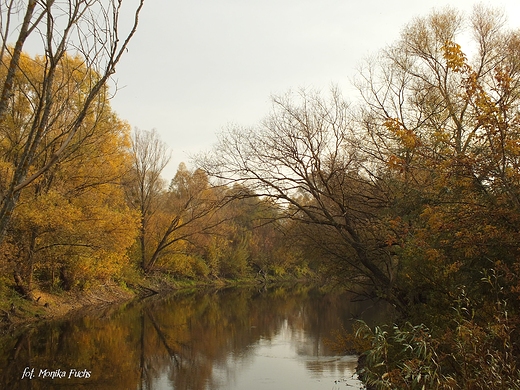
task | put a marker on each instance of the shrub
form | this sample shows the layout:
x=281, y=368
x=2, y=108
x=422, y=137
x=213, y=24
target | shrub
x=467, y=355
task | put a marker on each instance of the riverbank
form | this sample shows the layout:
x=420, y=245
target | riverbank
x=16, y=311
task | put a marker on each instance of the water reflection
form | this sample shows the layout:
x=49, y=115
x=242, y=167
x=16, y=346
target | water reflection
x=231, y=339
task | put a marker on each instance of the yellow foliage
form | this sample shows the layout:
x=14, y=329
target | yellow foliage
x=407, y=137
x=74, y=217
x=455, y=58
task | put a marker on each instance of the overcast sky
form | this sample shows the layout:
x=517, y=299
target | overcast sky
x=196, y=66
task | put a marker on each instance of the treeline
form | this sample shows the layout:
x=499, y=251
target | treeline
x=105, y=213
x=82, y=200
x=192, y=227
x=196, y=229
x=412, y=194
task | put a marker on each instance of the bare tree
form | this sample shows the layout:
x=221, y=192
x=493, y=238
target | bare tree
x=168, y=215
x=84, y=35
x=308, y=158
x=150, y=157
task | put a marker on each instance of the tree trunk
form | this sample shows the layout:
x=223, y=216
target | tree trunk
x=20, y=286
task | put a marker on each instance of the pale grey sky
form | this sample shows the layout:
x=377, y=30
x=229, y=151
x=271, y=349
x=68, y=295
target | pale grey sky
x=196, y=66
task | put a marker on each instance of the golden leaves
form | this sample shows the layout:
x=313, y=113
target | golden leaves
x=74, y=215
x=407, y=137
x=455, y=58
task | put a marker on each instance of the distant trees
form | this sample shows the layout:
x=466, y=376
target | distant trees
x=188, y=210
x=197, y=229
x=251, y=241
x=170, y=216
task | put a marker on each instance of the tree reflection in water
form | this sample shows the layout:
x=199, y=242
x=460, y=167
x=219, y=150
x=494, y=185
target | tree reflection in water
x=198, y=341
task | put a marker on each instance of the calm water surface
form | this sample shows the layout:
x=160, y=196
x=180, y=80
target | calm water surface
x=243, y=339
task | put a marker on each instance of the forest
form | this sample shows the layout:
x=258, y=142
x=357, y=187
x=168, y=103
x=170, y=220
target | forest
x=410, y=194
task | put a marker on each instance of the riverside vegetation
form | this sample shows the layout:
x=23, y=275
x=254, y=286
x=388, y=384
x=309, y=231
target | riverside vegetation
x=411, y=195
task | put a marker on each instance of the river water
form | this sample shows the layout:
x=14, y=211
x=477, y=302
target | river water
x=232, y=339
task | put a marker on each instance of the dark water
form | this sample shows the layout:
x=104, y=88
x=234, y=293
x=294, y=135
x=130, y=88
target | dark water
x=244, y=339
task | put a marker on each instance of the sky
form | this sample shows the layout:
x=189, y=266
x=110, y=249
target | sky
x=195, y=67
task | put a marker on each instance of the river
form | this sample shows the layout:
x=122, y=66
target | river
x=231, y=339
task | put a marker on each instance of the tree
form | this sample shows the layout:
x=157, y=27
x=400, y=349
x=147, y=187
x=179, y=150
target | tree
x=76, y=33
x=447, y=128
x=307, y=157
x=145, y=185
x=71, y=224
x=443, y=125
x=188, y=210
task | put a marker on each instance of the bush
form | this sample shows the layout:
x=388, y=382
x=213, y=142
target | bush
x=466, y=355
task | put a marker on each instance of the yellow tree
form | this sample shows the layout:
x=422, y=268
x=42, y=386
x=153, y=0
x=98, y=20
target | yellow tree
x=71, y=222
x=444, y=123
x=59, y=94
